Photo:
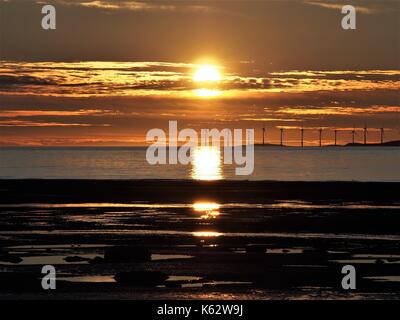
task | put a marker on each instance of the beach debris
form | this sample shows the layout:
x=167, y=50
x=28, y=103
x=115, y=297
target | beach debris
x=127, y=254
x=141, y=278
x=379, y=261
x=11, y=258
x=76, y=259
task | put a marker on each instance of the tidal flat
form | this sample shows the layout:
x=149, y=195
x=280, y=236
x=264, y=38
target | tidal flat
x=145, y=239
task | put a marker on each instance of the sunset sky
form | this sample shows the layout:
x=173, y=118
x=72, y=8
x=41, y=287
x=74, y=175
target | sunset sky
x=112, y=70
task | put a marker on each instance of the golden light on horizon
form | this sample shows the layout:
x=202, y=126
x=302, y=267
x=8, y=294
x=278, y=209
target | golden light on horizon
x=207, y=93
x=206, y=163
x=207, y=73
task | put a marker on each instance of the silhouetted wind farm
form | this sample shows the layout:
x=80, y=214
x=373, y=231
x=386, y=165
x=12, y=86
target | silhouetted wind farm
x=360, y=133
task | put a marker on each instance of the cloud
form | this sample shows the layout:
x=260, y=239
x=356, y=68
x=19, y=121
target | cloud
x=72, y=141
x=337, y=6
x=77, y=79
x=116, y=5
x=23, y=80
x=342, y=110
x=361, y=6
x=124, y=5
x=263, y=119
x=58, y=113
x=23, y=123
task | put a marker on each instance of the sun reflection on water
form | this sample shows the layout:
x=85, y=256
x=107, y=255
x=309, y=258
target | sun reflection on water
x=206, y=164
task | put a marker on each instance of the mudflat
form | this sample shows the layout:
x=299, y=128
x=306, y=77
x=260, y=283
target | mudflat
x=165, y=239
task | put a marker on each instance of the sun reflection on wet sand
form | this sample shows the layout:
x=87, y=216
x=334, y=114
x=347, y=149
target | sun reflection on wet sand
x=206, y=164
x=209, y=210
x=206, y=234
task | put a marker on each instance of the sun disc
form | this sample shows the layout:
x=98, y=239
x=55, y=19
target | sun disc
x=207, y=73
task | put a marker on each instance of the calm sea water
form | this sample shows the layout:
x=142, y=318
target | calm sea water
x=271, y=163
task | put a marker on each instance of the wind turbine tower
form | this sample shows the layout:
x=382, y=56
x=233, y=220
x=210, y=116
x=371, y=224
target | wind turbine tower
x=302, y=136
x=320, y=137
x=365, y=134
x=263, y=141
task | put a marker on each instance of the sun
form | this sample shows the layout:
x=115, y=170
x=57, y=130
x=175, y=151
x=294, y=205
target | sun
x=207, y=73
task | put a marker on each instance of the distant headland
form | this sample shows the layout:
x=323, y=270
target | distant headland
x=394, y=143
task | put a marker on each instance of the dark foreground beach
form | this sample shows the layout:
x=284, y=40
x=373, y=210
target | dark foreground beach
x=171, y=239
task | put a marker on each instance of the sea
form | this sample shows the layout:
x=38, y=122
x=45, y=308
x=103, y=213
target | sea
x=270, y=163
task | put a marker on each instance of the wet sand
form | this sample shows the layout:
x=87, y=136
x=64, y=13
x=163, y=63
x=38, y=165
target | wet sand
x=81, y=191
x=213, y=240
